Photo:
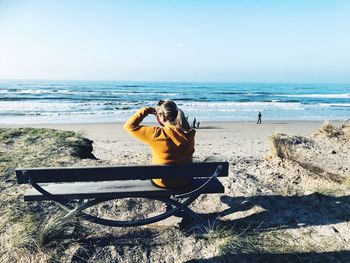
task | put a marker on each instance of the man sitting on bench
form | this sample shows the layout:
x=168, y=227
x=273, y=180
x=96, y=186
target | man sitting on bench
x=171, y=143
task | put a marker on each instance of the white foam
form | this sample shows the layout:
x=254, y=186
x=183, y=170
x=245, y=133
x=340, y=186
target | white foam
x=334, y=104
x=329, y=96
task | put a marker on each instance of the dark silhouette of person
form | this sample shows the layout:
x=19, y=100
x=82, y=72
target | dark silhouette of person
x=259, y=118
x=194, y=122
x=198, y=124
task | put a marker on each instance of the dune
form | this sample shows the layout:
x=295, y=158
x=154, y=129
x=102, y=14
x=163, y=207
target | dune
x=287, y=196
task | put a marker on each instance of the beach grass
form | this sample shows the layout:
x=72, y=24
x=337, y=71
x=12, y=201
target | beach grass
x=27, y=228
x=330, y=130
x=296, y=148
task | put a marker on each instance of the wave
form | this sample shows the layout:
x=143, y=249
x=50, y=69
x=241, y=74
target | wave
x=130, y=86
x=13, y=114
x=325, y=96
x=241, y=105
x=334, y=104
x=192, y=99
x=229, y=93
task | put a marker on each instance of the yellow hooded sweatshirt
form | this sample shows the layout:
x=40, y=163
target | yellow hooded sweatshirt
x=169, y=144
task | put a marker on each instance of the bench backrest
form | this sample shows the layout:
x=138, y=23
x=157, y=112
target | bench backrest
x=88, y=174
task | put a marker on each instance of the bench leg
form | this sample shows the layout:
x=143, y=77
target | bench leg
x=191, y=213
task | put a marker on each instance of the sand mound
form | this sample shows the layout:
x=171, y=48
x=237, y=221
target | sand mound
x=292, y=205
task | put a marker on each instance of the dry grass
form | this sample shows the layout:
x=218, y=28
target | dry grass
x=237, y=243
x=27, y=229
x=346, y=130
x=58, y=227
x=263, y=246
x=40, y=147
x=255, y=241
x=282, y=145
x=211, y=232
x=330, y=130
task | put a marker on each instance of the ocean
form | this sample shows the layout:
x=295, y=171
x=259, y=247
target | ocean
x=34, y=102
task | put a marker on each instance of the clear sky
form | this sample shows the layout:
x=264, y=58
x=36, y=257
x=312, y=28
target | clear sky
x=202, y=40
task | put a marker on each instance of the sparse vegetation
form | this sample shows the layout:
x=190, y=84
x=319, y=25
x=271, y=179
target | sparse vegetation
x=282, y=144
x=330, y=130
x=292, y=148
x=26, y=228
x=215, y=230
x=346, y=129
x=275, y=246
x=58, y=227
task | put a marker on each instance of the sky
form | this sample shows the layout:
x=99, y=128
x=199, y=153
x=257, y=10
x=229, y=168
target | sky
x=200, y=40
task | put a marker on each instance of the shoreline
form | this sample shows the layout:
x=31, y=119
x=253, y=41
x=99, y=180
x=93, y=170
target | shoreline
x=152, y=123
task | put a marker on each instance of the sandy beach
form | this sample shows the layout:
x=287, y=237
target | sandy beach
x=222, y=140
x=287, y=191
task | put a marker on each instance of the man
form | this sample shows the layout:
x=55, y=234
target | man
x=259, y=118
x=194, y=122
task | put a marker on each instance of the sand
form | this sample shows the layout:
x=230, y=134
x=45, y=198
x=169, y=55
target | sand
x=219, y=139
x=299, y=204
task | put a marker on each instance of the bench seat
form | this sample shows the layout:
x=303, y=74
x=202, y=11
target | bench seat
x=116, y=189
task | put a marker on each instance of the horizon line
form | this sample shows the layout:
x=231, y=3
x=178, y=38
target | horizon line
x=173, y=81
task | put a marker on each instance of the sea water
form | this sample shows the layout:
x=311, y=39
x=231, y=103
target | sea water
x=29, y=102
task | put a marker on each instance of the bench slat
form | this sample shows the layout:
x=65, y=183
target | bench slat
x=87, y=174
x=116, y=189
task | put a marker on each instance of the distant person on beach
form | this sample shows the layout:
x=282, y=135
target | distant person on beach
x=198, y=123
x=172, y=142
x=194, y=122
x=259, y=118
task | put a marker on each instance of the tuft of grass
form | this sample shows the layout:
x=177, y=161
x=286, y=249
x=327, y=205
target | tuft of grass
x=58, y=227
x=346, y=130
x=330, y=130
x=24, y=237
x=281, y=145
x=213, y=230
x=238, y=243
x=254, y=242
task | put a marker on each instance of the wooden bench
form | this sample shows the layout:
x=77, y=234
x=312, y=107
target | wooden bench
x=76, y=189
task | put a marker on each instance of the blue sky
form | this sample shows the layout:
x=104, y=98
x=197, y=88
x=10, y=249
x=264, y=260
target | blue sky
x=241, y=41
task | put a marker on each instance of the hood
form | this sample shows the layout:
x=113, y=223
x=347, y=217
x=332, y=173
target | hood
x=179, y=137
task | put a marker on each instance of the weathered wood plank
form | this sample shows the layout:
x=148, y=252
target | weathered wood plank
x=86, y=174
x=116, y=189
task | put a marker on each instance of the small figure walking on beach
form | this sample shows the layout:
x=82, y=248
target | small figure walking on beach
x=259, y=118
x=194, y=122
